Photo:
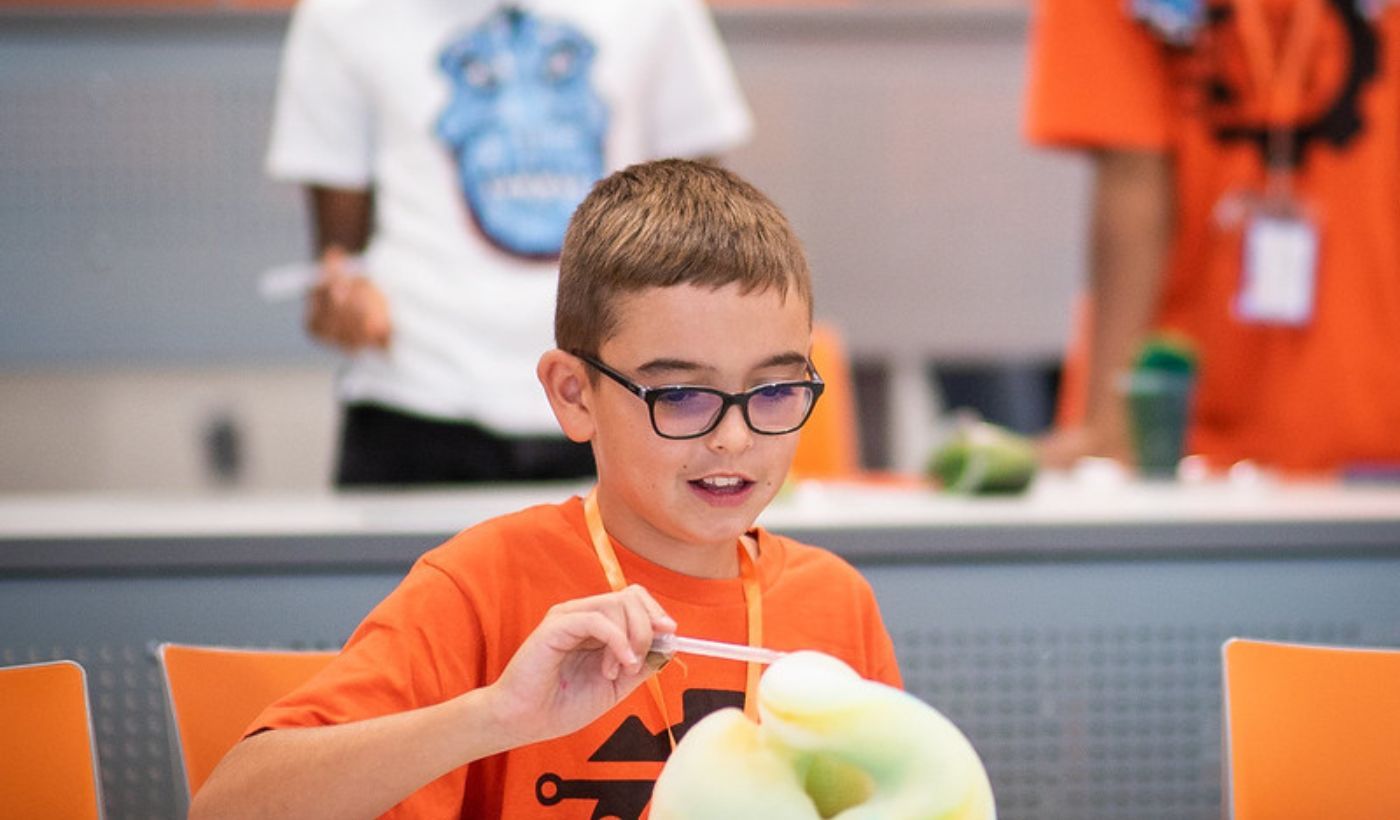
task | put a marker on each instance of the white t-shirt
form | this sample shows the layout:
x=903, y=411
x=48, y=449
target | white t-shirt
x=479, y=126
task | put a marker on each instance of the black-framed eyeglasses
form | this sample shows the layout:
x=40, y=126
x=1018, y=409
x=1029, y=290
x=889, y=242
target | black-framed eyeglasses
x=681, y=411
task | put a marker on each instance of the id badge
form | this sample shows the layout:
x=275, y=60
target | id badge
x=1279, y=279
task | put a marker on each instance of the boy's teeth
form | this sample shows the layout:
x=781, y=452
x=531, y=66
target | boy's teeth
x=722, y=481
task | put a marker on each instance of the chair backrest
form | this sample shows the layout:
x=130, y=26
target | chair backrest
x=829, y=445
x=214, y=693
x=1312, y=731
x=48, y=761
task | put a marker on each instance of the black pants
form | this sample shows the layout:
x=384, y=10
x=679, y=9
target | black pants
x=379, y=446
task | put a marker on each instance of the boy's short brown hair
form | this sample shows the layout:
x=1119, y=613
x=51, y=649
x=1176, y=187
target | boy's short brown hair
x=667, y=223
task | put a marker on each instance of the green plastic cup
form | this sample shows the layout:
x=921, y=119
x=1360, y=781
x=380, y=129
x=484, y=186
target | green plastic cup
x=1159, y=408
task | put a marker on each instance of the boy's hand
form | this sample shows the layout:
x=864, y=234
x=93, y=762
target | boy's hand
x=584, y=657
x=344, y=308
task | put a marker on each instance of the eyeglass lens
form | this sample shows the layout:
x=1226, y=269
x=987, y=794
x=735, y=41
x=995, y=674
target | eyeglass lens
x=775, y=408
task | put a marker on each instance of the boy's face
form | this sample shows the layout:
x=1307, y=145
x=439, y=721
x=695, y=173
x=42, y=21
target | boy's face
x=683, y=503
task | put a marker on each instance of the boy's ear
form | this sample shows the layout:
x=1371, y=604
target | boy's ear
x=565, y=381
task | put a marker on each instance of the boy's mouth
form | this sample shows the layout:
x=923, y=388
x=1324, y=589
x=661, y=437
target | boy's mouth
x=722, y=485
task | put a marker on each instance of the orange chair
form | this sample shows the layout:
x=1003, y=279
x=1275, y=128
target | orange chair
x=214, y=693
x=48, y=761
x=1312, y=731
x=829, y=446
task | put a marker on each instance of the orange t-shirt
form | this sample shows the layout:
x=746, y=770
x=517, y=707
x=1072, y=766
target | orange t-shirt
x=464, y=608
x=1315, y=397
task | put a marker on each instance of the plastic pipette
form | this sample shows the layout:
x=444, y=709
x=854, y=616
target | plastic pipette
x=668, y=645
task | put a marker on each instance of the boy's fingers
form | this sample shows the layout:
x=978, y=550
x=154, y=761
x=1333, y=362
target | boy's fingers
x=625, y=622
x=639, y=628
x=580, y=627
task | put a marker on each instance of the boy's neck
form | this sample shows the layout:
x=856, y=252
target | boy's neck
x=696, y=562
x=711, y=561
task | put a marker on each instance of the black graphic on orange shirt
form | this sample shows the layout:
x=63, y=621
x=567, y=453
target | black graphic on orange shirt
x=1341, y=62
x=632, y=743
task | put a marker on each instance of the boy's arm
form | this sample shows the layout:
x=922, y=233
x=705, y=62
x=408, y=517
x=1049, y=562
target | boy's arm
x=344, y=308
x=1131, y=232
x=353, y=770
x=583, y=658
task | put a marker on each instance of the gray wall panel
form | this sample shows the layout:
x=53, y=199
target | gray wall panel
x=135, y=217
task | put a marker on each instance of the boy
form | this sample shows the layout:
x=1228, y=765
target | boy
x=503, y=678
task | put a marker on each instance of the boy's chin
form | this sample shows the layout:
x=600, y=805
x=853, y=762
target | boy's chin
x=722, y=526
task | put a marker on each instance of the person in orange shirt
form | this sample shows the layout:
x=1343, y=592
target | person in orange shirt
x=507, y=675
x=1247, y=198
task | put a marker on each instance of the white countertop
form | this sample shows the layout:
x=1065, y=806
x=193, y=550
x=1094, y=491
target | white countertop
x=1054, y=501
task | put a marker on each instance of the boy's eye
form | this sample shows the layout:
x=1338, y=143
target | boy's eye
x=680, y=397
x=775, y=392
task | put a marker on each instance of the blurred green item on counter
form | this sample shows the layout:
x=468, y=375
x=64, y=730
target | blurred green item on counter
x=1167, y=353
x=981, y=458
x=1158, y=391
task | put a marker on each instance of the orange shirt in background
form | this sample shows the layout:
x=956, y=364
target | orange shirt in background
x=1315, y=397
x=464, y=608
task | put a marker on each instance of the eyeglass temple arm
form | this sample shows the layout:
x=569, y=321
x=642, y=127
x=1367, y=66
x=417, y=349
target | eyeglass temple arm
x=631, y=386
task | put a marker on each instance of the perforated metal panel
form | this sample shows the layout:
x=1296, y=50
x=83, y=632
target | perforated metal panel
x=134, y=212
x=1098, y=723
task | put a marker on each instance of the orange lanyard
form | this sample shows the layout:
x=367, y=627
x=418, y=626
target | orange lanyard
x=1279, y=74
x=753, y=604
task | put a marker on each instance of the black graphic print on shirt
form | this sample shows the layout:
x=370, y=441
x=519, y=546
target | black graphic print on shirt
x=625, y=799
x=1213, y=74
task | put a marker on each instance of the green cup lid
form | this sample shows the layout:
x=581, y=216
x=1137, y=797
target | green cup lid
x=1167, y=354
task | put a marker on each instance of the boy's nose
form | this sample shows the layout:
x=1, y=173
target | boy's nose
x=732, y=434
